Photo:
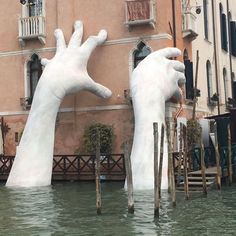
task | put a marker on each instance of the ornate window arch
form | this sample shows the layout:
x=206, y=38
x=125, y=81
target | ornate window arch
x=140, y=53
x=209, y=79
x=34, y=71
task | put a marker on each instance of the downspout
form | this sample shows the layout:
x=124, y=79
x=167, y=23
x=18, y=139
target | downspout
x=174, y=23
x=230, y=49
x=215, y=54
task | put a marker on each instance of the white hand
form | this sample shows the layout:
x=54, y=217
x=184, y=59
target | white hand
x=158, y=76
x=154, y=80
x=66, y=72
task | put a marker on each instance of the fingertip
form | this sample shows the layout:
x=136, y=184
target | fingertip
x=78, y=24
x=58, y=32
x=169, y=52
x=107, y=93
x=44, y=61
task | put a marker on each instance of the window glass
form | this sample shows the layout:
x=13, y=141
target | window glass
x=141, y=52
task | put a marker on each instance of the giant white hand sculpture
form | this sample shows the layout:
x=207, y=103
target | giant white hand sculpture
x=66, y=73
x=153, y=81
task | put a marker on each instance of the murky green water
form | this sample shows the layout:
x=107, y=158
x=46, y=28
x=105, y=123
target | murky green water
x=69, y=209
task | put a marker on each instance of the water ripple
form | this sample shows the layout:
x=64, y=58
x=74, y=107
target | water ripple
x=69, y=209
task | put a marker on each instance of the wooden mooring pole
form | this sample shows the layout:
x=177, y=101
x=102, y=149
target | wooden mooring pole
x=230, y=170
x=156, y=180
x=203, y=169
x=218, y=168
x=97, y=174
x=185, y=155
x=171, y=175
x=161, y=157
x=129, y=178
x=180, y=155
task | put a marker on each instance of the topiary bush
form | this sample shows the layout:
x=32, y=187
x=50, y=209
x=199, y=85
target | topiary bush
x=107, y=138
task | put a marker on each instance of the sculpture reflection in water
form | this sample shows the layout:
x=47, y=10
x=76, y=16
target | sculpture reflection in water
x=155, y=80
x=64, y=74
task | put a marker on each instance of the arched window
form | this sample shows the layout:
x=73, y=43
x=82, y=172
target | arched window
x=225, y=85
x=140, y=53
x=34, y=72
x=34, y=7
x=223, y=28
x=209, y=79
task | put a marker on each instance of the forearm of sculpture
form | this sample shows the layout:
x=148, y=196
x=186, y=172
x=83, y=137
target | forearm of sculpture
x=42, y=117
x=37, y=141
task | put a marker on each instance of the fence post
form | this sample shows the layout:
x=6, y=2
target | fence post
x=185, y=156
x=97, y=174
x=230, y=171
x=129, y=178
x=156, y=181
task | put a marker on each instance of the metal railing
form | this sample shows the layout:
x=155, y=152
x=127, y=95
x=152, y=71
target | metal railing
x=32, y=27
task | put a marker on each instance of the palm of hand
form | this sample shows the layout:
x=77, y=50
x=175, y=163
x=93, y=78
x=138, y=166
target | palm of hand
x=66, y=72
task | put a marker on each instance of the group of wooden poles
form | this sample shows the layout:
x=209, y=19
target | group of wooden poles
x=183, y=164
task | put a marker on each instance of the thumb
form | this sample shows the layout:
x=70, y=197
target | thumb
x=99, y=90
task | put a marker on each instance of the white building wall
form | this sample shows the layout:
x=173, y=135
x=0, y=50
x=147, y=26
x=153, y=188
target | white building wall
x=206, y=52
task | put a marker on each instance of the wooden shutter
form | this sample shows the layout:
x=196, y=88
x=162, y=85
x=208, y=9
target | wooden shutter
x=189, y=78
x=233, y=37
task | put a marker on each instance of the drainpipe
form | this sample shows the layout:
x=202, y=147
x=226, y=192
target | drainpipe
x=230, y=47
x=174, y=23
x=215, y=54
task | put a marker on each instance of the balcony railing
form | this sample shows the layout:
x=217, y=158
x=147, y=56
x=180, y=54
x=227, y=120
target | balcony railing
x=139, y=12
x=32, y=27
x=189, y=25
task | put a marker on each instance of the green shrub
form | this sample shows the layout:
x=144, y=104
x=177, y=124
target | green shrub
x=107, y=138
x=194, y=131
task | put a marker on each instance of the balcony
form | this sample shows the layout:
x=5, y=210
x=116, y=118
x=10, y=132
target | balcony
x=189, y=26
x=139, y=12
x=31, y=28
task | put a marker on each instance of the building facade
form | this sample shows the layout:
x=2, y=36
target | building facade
x=217, y=62
x=135, y=28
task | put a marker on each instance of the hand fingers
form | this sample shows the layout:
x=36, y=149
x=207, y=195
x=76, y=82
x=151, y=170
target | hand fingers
x=61, y=44
x=76, y=38
x=178, y=95
x=177, y=65
x=180, y=78
x=99, y=90
x=167, y=52
x=44, y=61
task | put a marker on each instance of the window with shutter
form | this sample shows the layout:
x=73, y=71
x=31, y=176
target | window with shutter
x=189, y=78
x=205, y=12
x=233, y=37
x=223, y=29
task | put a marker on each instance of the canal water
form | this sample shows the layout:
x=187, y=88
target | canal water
x=69, y=209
